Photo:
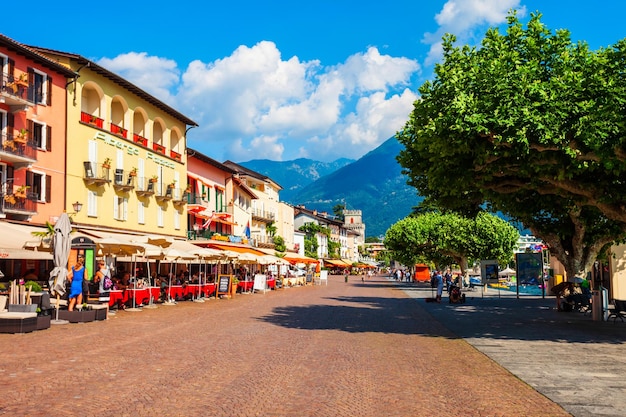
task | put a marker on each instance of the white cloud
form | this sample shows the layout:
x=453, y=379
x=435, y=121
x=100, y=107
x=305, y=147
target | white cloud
x=157, y=76
x=463, y=17
x=255, y=104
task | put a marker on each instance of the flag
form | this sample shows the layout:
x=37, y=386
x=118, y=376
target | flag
x=247, y=230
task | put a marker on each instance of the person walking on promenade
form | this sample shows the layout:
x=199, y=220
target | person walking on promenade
x=76, y=276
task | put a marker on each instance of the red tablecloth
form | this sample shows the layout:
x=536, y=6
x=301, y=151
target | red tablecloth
x=155, y=293
x=140, y=295
x=175, y=292
x=246, y=285
x=192, y=290
x=271, y=283
x=115, y=297
x=208, y=289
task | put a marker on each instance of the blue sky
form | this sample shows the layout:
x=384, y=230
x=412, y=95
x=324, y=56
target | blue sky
x=282, y=80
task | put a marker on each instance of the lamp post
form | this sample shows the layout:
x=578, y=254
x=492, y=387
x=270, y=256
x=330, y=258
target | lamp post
x=77, y=206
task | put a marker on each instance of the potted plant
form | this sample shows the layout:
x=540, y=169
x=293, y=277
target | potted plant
x=22, y=136
x=154, y=178
x=234, y=282
x=22, y=79
x=172, y=184
x=20, y=191
x=133, y=172
x=107, y=163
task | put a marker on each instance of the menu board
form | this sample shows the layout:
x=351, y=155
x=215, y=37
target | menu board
x=223, y=285
x=260, y=282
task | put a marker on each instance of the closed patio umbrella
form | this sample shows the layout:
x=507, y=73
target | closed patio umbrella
x=61, y=244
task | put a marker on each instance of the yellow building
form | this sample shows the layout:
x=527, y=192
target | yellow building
x=126, y=159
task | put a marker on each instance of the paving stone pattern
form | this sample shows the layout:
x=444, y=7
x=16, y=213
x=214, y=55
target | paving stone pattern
x=355, y=349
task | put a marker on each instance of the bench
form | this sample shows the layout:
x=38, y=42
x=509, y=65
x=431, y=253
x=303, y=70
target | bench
x=618, y=311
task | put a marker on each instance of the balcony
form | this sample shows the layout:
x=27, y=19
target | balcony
x=17, y=200
x=196, y=200
x=140, y=140
x=91, y=120
x=95, y=173
x=175, y=156
x=164, y=192
x=180, y=196
x=263, y=216
x=146, y=187
x=14, y=92
x=17, y=150
x=158, y=148
x=124, y=181
x=119, y=130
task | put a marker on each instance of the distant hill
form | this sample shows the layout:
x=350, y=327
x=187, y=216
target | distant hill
x=373, y=184
x=296, y=174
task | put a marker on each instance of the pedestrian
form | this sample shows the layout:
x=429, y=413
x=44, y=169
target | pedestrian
x=448, y=279
x=439, y=280
x=76, y=276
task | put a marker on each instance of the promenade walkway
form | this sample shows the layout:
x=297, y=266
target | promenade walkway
x=355, y=349
x=576, y=362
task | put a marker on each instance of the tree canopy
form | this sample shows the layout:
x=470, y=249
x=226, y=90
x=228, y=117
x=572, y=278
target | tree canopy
x=450, y=238
x=532, y=125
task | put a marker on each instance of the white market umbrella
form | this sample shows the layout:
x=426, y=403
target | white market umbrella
x=173, y=255
x=506, y=272
x=61, y=244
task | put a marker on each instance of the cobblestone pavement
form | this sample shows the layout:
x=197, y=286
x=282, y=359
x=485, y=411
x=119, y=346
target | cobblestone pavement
x=575, y=361
x=355, y=349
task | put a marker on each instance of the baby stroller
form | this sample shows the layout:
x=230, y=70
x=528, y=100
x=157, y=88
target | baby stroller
x=455, y=295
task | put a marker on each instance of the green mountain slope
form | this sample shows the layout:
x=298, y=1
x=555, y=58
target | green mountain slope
x=374, y=184
x=294, y=175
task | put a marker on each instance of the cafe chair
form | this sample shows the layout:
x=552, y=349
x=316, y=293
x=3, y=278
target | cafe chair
x=618, y=311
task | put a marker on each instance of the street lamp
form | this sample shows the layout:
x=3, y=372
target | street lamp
x=77, y=206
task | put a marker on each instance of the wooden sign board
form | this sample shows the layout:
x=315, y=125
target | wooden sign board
x=260, y=282
x=223, y=285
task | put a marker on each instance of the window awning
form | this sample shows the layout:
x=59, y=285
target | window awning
x=235, y=248
x=295, y=258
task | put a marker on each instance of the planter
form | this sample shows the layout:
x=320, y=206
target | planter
x=77, y=316
x=43, y=322
x=22, y=308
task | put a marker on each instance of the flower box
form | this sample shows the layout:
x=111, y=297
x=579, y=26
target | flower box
x=140, y=140
x=77, y=316
x=158, y=148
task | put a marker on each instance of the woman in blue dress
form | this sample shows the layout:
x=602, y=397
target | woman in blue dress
x=76, y=276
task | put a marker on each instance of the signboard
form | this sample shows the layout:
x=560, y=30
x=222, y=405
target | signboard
x=324, y=276
x=489, y=272
x=223, y=285
x=309, y=278
x=260, y=282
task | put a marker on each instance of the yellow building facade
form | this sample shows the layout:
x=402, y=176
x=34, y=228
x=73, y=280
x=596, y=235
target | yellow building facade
x=126, y=154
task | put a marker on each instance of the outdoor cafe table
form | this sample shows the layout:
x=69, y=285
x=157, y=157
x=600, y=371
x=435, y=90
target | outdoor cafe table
x=155, y=292
x=175, y=292
x=192, y=290
x=116, y=297
x=140, y=295
x=246, y=286
x=271, y=283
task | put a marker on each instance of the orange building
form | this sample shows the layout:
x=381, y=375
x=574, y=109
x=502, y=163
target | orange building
x=33, y=129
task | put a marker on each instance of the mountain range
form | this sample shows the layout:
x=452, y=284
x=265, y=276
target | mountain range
x=373, y=184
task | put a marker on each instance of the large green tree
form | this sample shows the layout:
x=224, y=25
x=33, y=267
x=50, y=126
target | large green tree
x=532, y=125
x=445, y=238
